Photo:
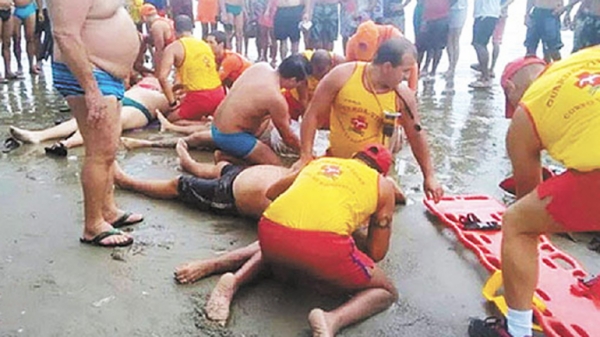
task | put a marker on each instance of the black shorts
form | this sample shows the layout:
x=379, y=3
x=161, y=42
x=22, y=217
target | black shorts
x=483, y=28
x=434, y=35
x=214, y=195
x=285, y=24
x=544, y=26
x=42, y=26
x=5, y=14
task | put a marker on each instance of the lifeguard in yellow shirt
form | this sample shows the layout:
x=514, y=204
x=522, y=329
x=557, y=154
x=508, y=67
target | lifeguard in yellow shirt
x=194, y=61
x=356, y=97
x=555, y=109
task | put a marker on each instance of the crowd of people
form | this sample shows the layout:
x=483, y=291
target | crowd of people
x=327, y=219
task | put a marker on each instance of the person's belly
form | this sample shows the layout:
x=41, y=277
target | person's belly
x=112, y=43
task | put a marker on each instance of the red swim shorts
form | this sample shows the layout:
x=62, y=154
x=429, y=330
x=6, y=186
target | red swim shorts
x=295, y=108
x=574, y=201
x=201, y=103
x=329, y=257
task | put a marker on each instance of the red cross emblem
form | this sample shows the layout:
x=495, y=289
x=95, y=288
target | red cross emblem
x=359, y=123
x=586, y=79
x=331, y=171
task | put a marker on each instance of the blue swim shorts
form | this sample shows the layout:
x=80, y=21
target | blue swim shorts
x=67, y=85
x=239, y=144
x=26, y=11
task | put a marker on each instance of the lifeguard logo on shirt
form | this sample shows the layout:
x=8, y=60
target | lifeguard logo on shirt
x=587, y=79
x=331, y=171
x=359, y=124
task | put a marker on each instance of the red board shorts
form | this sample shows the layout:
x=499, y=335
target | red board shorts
x=295, y=108
x=201, y=103
x=574, y=201
x=329, y=257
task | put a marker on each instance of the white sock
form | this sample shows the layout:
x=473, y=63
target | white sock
x=519, y=322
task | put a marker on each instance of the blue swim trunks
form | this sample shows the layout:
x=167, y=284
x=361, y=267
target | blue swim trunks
x=239, y=144
x=135, y=104
x=26, y=11
x=67, y=85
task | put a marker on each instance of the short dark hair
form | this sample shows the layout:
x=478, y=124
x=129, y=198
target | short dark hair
x=219, y=36
x=295, y=66
x=183, y=24
x=393, y=50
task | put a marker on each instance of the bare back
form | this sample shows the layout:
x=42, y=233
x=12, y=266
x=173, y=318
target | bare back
x=109, y=36
x=251, y=185
x=247, y=106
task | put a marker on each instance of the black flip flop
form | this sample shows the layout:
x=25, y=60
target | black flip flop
x=122, y=221
x=57, y=149
x=97, y=240
x=10, y=144
x=471, y=222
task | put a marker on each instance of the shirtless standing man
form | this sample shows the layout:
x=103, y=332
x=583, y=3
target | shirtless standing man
x=287, y=18
x=245, y=113
x=25, y=12
x=355, y=97
x=324, y=15
x=542, y=18
x=6, y=30
x=90, y=76
x=161, y=30
x=232, y=15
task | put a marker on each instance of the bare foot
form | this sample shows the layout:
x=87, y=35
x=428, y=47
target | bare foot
x=164, y=122
x=132, y=143
x=319, y=325
x=193, y=271
x=184, y=156
x=23, y=135
x=217, y=307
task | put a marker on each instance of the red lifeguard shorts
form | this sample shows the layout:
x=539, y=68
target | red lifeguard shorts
x=574, y=201
x=201, y=103
x=328, y=257
x=295, y=108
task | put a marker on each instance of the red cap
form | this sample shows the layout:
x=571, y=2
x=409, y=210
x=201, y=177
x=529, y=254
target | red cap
x=379, y=156
x=510, y=70
x=148, y=10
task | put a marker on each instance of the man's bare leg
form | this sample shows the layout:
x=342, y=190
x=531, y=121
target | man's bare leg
x=379, y=294
x=29, y=24
x=101, y=142
x=217, y=307
x=196, y=139
x=263, y=154
x=16, y=36
x=160, y=189
x=193, y=271
x=201, y=170
x=166, y=125
x=238, y=25
x=522, y=225
x=7, y=32
x=34, y=137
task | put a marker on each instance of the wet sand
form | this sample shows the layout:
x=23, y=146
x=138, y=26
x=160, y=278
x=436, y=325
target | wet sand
x=51, y=285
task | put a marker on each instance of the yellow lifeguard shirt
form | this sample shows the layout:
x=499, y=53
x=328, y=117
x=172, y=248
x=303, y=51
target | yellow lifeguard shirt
x=564, y=105
x=330, y=195
x=311, y=81
x=198, y=71
x=357, y=116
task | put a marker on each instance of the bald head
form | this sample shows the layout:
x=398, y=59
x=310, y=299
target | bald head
x=321, y=63
x=518, y=83
x=394, y=50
